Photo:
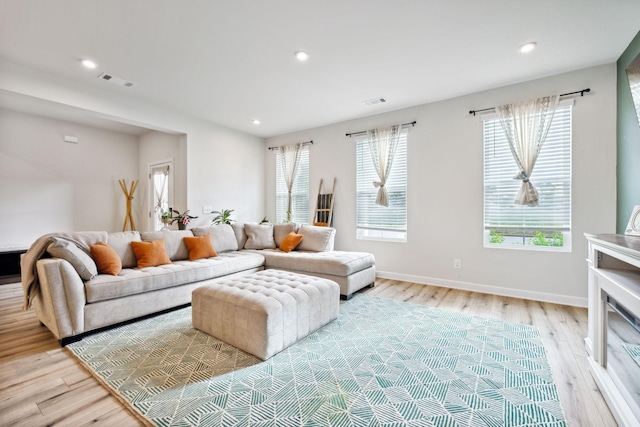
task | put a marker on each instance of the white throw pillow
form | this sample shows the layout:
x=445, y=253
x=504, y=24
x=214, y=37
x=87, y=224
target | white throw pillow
x=82, y=262
x=317, y=239
x=259, y=236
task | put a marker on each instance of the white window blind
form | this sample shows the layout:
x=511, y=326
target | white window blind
x=551, y=177
x=374, y=221
x=300, y=191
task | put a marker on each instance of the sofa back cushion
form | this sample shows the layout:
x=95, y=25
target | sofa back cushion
x=223, y=237
x=241, y=236
x=280, y=231
x=121, y=243
x=317, y=239
x=173, y=243
x=259, y=236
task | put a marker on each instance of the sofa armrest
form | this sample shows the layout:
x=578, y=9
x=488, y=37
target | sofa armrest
x=61, y=300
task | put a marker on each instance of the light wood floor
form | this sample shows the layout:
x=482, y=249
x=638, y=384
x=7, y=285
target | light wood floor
x=40, y=384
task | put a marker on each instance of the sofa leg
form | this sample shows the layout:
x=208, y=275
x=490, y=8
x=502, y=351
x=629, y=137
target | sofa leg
x=346, y=297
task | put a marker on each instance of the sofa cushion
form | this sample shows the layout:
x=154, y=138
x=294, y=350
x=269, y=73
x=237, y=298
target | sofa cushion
x=137, y=281
x=106, y=259
x=241, y=236
x=150, y=254
x=200, y=247
x=318, y=239
x=121, y=243
x=173, y=243
x=290, y=242
x=222, y=235
x=280, y=231
x=65, y=249
x=259, y=236
x=337, y=263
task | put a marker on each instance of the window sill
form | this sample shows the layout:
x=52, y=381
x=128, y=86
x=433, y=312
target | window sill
x=566, y=248
x=381, y=235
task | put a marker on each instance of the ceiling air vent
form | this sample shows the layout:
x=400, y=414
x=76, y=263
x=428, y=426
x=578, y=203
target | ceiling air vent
x=113, y=79
x=374, y=101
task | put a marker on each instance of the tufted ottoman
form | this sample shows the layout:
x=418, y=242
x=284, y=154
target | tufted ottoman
x=265, y=312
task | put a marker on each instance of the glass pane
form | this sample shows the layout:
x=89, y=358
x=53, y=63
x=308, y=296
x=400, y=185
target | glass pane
x=160, y=180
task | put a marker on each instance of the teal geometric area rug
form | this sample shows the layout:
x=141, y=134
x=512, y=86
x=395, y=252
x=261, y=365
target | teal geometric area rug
x=381, y=363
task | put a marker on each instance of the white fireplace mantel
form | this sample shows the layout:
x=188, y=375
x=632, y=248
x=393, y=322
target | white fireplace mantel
x=614, y=272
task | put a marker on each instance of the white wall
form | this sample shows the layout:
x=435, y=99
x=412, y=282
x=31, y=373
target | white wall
x=225, y=167
x=445, y=190
x=49, y=185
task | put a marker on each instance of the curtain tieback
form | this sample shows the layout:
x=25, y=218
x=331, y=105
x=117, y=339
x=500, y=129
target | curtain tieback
x=522, y=177
x=378, y=184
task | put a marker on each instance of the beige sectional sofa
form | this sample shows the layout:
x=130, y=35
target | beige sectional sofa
x=71, y=300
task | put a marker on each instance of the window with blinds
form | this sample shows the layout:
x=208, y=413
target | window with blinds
x=546, y=226
x=300, y=191
x=373, y=221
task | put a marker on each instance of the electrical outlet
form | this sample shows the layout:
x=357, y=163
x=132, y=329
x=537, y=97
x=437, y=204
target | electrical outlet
x=457, y=264
x=207, y=209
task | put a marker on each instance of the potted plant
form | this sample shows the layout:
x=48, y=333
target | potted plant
x=173, y=215
x=182, y=219
x=222, y=217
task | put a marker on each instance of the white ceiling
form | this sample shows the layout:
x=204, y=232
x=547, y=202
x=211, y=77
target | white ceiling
x=233, y=61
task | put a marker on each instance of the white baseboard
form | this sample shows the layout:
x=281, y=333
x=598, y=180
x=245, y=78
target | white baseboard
x=486, y=289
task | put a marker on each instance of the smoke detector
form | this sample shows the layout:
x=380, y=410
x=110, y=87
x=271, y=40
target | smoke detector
x=113, y=79
x=374, y=101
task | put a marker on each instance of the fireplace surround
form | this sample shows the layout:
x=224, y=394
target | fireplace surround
x=613, y=340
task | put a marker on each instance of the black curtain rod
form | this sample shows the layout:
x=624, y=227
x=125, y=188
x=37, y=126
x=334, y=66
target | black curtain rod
x=303, y=143
x=581, y=92
x=413, y=123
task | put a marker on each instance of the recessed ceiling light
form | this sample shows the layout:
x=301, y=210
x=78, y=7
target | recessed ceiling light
x=528, y=47
x=89, y=63
x=302, y=56
x=256, y=122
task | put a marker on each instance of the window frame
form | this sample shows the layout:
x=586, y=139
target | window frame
x=522, y=238
x=154, y=217
x=298, y=189
x=374, y=231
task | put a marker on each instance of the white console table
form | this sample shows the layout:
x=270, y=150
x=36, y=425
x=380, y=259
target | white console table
x=614, y=295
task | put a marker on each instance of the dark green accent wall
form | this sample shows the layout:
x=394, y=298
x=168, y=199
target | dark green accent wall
x=628, y=141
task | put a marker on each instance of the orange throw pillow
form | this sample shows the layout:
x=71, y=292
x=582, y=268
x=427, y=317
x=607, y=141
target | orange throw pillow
x=290, y=241
x=150, y=254
x=106, y=258
x=200, y=247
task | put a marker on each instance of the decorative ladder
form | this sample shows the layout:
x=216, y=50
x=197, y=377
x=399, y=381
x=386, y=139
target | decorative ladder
x=324, y=206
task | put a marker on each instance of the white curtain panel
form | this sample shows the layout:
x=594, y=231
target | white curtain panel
x=383, y=143
x=289, y=160
x=526, y=125
x=161, y=178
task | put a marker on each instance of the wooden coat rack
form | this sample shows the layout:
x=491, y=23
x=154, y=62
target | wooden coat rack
x=128, y=193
